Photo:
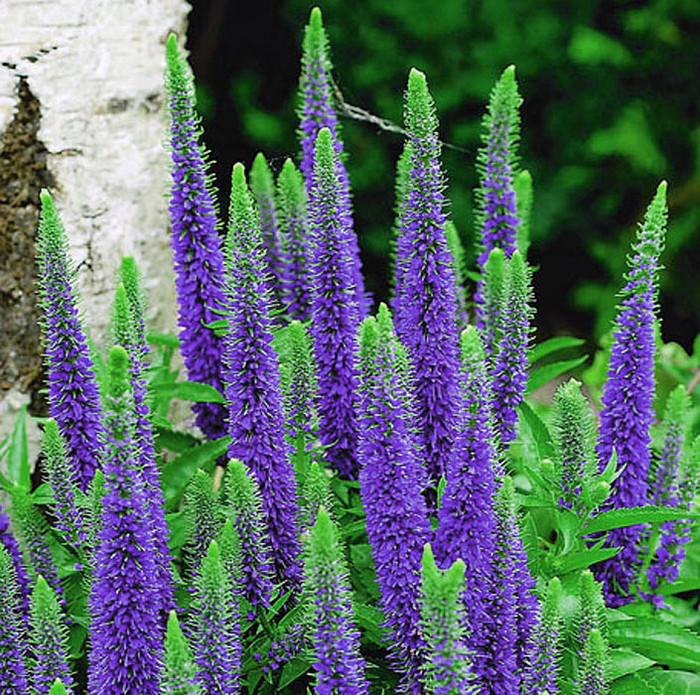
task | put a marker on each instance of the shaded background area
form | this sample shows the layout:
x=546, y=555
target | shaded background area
x=611, y=107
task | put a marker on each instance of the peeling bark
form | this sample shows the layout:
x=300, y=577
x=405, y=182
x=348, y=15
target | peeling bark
x=82, y=113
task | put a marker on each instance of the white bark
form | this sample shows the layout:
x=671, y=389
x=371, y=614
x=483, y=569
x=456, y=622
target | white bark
x=96, y=67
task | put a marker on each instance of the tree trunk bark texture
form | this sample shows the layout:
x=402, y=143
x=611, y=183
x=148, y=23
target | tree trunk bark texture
x=82, y=112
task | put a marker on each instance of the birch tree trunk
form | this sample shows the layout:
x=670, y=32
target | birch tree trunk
x=81, y=113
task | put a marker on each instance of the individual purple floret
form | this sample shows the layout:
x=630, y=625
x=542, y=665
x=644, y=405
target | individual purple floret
x=316, y=111
x=497, y=218
x=334, y=310
x=466, y=518
x=396, y=514
x=199, y=262
x=426, y=302
x=126, y=630
x=627, y=400
x=253, y=391
x=13, y=645
x=74, y=399
x=9, y=542
x=339, y=666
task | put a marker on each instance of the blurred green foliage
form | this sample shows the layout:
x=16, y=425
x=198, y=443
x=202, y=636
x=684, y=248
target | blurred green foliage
x=611, y=107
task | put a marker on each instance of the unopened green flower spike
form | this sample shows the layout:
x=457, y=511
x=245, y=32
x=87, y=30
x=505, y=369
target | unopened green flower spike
x=592, y=677
x=592, y=614
x=444, y=626
x=522, y=184
x=179, y=669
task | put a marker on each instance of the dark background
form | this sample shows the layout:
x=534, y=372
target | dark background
x=611, y=107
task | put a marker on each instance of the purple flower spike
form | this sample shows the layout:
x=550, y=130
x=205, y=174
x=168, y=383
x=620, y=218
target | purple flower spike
x=339, y=667
x=253, y=391
x=74, y=399
x=128, y=329
x=466, y=519
x=516, y=608
x=316, y=111
x=13, y=674
x=126, y=631
x=397, y=520
x=9, y=543
x=426, y=302
x=627, y=400
x=497, y=217
x=335, y=313
x=199, y=262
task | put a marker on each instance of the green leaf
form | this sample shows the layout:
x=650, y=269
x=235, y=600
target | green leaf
x=547, y=347
x=585, y=558
x=177, y=474
x=538, y=430
x=178, y=526
x=619, y=518
x=174, y=441
x=655, y=681
x=292, y=670
x=188, y=391
x=18, y=453
x=542, y=375
x=680, y=586
x=167, y=340
x=665, y=643
x=624, y=661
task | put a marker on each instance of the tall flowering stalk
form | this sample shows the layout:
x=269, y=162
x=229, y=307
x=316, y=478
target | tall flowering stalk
x=466, y=518
x=262, y=185
x=592, y=677
x=49, y=641
x=199, y=262
x=245, y=511
x=179, y=669
x=297, y=255
x=9, y=543
x=316, y=111
x=396, y=514
x=128, y=327
x=448, y=665
x=125, y=631
x=215, y=628
x=204, y=519
x=74, y=399
x=574, y=429
x=253, y=391
x=426, y=303
x=13, y=673
x=69, y=518
x=339, y=667
x=627, y=399
x=335, y=312
x=497, y=219
x=545, y=652
x=665, y=490
x=509, y=361
x=516, y=607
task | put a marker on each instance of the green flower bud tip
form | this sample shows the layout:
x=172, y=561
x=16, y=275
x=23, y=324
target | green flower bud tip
x=58, y=688
x=117, y=367
x=471, y=345
x=323, y=533
x=261, y=178
x=315, y=38
x=677, y=406
x=369, y=334
x=325, y=154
